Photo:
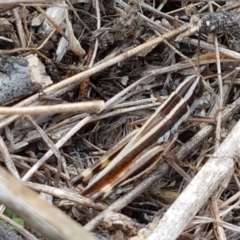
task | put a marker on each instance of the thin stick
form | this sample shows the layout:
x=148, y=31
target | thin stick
x=93, y=106
x=15, y=2
x=220, y=99
x=66, y=194
x=98, y=27
x=7, y=159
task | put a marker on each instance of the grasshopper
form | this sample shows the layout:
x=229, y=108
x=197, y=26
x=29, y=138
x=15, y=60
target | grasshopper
x=127, y=157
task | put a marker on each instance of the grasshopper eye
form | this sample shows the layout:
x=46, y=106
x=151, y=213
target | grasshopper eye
x=198, y=90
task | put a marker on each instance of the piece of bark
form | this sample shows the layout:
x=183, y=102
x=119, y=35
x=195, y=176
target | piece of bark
x=199, y=189
x=15, y=80
x=38, y=72
x=220, y=22
x=37, y=213
x=214, y=22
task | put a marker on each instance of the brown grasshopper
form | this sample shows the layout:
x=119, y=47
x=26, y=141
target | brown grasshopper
x=127, y=157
